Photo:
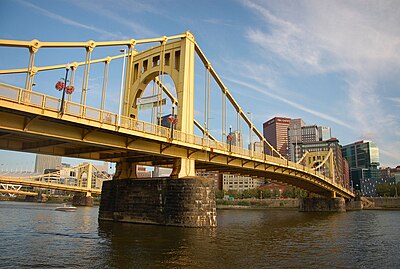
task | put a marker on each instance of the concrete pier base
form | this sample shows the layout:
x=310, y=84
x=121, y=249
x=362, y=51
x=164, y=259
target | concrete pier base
x=354, y=205
x=186, y=202
x=82, y=200
x=322, y=205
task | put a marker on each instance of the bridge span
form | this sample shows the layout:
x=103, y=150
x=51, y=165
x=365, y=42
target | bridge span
x=31, y=121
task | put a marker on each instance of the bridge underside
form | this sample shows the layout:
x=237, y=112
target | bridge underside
x=282, y=178
x=26, y=138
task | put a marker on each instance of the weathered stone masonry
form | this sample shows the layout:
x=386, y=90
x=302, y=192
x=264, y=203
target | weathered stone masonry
x=186, y=202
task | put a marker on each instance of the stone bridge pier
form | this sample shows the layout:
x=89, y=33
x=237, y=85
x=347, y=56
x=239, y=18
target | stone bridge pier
x=186, y=201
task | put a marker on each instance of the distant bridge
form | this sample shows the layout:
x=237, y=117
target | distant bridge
x=83, y=178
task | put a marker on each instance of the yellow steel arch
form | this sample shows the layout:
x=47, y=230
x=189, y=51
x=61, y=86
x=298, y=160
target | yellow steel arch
x=177, y=60
x=322, y=161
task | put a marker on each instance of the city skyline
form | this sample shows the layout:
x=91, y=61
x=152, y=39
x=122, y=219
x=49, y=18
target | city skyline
x=279, y=59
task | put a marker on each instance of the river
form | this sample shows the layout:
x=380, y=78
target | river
x=36, y=236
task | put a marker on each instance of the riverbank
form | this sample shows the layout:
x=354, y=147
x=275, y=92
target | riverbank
x=257, y=203
x=376, y=203
x=47, y=199
x=384, y=203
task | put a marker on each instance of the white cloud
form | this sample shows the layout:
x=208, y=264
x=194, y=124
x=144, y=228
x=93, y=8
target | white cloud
x=358, y=39
x=291, y=103
x=330, y=35
x=395, y=100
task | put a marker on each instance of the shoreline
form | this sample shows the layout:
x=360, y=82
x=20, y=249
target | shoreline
x=380, y=203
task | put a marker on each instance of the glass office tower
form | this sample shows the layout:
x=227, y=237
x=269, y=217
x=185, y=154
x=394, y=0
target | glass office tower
x=363, y=158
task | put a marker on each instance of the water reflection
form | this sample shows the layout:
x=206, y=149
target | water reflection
x=149, y=245
x=244, y=239
x=35, y=235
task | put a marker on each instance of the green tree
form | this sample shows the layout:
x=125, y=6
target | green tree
x=234, y=193
x=219, y=194
x=383, y=190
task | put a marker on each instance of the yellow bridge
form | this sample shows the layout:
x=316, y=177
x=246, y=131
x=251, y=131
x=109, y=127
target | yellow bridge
x=31, y=121
x=84, y=178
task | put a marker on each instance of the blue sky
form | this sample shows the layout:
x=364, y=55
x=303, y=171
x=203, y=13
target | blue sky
x=331, y=63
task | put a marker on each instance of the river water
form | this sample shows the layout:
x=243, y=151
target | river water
x=36, y=236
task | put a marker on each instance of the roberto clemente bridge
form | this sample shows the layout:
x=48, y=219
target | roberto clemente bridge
x=35, y=122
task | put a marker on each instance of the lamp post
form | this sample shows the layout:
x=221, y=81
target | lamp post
x=251, y=132
x=67, y=67
x=121, y=88
x=173, y=120
x=230, y=137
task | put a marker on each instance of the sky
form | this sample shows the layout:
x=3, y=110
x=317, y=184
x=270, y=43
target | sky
x=331, y=63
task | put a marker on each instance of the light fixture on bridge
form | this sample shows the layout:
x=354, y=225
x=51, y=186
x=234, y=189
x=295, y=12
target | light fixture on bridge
x=62, y=86
x=173, y=120
x=230, y=137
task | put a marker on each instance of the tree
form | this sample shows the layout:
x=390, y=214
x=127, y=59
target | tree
x=219, y=194
x=384, y=190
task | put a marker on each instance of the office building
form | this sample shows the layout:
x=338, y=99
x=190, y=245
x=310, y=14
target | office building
x=44, y=162
x=161, y=172
x=363, y=158
x=324, y=133
x=295, y=139
x=275, y=132
x=387, y=172
x=257, y=147
x=309, y=133
x=239, y=183
x=142, y=172
x=236, y=139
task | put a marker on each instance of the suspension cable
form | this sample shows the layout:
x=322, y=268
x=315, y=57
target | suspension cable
x=105, y=82
x=85, y=80
x=161, y=75
x=208, y=100
x=223, y=116
x=28, y=85
x=205, y=103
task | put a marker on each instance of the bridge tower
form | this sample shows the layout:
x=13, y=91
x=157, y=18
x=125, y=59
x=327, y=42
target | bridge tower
x=182, y=199
x=175, y=59
x=85, y=172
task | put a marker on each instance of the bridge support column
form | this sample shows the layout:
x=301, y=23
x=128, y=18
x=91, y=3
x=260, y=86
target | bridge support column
x=82, y=200
x=125, y=170
x=354, y=205
x=185, y=202
x=322, y=205
x=183, y=167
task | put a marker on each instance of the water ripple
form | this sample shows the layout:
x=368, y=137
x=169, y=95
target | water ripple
x=36, y=236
